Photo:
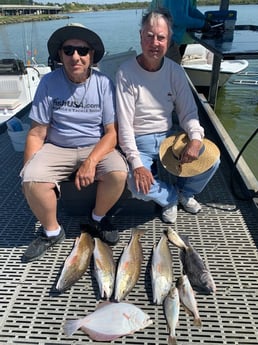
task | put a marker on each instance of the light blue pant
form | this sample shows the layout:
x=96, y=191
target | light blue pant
x=161, y=192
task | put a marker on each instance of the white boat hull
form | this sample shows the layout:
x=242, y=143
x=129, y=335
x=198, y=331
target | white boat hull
x=201, y=78
x=197, y=62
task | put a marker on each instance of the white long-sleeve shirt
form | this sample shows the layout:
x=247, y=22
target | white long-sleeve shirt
x=145, y=101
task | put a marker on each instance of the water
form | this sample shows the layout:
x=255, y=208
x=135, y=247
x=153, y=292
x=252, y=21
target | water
x=237, y=105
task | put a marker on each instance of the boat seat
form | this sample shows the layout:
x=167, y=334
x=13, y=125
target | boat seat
x=81, y=203
x=9, y=89
x=9, y=104
x=195, y=54
x=192, y=60
x=111, y=62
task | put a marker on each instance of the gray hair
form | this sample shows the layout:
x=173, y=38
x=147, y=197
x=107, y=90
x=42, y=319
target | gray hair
x=157, y=13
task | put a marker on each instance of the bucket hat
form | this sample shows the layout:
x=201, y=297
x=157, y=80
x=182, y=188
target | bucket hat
x=171, y=149
x=75, y=31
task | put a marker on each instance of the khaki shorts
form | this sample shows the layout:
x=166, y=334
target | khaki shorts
x=55, y=164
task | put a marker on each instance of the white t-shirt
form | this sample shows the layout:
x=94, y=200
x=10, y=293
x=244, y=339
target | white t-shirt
x=145, y=101
x=76, y=113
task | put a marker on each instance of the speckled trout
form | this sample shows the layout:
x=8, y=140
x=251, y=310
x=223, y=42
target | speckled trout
x=77, y=263
x=110, y=321
x=161, y=270
x=104, y=268
x=172, y=308
x=129, y=266
x=187, y=299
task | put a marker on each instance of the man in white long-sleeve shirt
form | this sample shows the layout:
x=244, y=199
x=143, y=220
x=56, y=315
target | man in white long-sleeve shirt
x=148, y=89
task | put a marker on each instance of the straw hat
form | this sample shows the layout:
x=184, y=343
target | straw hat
x=75, y=31
x=170, y=152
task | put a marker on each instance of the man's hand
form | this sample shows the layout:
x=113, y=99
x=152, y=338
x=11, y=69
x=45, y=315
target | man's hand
x=85, y=174
x=191, y=151
x=143, y=179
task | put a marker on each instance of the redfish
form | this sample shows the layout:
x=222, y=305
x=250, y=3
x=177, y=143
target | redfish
x=77, y=263
x=104, y=268
x=129, y=266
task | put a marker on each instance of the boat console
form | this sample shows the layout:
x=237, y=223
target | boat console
x=12, y=67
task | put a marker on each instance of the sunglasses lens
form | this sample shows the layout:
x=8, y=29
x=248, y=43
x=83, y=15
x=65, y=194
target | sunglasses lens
x=83, y=51
x=69, y=50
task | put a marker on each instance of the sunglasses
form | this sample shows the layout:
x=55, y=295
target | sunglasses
x=69, y=50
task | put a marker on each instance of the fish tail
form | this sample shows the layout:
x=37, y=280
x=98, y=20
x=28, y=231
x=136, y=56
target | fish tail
x=138, y=232
x=197, y=322
x=172, y=340
x=71, y=326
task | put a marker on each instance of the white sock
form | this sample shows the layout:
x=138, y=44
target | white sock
x=96, y=218
x=52, y=233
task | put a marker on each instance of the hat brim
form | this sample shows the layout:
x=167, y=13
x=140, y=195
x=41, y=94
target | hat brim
x=75, y=32
x=210, y=154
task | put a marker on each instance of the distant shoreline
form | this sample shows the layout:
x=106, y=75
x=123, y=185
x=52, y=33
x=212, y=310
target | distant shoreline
x=30, y=18
x=85, y=8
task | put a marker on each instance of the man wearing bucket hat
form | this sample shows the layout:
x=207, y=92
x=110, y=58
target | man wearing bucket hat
x=149, y=88
x=73, y=131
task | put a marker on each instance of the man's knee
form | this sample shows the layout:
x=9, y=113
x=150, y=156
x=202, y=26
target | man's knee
x=117, y=176
x=32, y=187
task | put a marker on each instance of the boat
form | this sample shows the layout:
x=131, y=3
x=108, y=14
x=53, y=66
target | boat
x=18, y=84
x=224, y=232
x=197, y=62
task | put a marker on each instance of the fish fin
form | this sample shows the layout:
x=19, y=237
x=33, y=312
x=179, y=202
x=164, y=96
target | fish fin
x=187, y=310
x=197, y=322
x=185, y=238
x=172, y=340
x=71, y=326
